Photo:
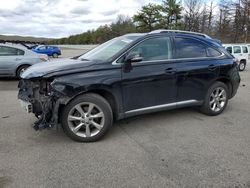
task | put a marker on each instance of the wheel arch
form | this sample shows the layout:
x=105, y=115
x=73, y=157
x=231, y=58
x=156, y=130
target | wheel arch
x=106, y=94
x=21, y=65
x=228, y=84
x=243, y=60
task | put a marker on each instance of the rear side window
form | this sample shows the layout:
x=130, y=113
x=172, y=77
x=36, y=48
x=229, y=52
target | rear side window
x=8, y=51
x=237, y=49
x=244, y=49
x=212, y=52
x=190, y=48
x=230, y=49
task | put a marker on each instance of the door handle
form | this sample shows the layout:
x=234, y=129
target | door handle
x=18, y=59
x=211, y=67
x=170, y=71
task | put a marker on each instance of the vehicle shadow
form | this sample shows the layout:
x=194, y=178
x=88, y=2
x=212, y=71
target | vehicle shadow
x=8, y=79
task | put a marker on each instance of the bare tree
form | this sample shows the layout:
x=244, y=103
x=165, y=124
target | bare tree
x=192, y=14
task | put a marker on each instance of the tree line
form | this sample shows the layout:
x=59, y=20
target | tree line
x=227, y=20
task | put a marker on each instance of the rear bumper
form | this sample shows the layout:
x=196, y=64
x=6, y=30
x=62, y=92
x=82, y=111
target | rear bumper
x=235, y=80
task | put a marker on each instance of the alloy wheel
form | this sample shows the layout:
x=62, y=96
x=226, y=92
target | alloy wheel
x=218, y=99
x=86, y=119
x=22, y=70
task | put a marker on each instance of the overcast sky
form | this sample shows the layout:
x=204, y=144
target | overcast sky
x=60, y=18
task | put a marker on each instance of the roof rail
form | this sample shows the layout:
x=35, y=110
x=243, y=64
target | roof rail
x=23, y=43
x=180, y=31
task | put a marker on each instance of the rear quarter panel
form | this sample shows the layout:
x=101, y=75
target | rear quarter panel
x=26, y=60
x=229, y=71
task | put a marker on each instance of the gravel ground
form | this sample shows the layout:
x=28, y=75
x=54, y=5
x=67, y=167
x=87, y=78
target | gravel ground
x=178, y=148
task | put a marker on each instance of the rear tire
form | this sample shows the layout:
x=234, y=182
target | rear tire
x=216, y=99
x=20, y=70
x=242, y=65
x=87, y=118
x=55, y=55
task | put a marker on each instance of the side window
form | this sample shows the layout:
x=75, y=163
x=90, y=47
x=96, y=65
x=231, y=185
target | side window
x=212, y=52
x=20, y=52
x=42, y=48
x=229, y=49
x=190, y=48
x=244, y=49
x=8, y=51
x=154, y=49
x=237, y=49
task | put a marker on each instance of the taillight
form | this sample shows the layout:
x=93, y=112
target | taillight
x=44, y=57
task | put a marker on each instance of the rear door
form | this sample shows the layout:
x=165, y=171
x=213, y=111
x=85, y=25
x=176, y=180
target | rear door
x=151, y=84
x=9, y=58
x=197, y=66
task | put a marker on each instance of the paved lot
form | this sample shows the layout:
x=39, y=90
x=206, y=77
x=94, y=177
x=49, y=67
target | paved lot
x=179, y=148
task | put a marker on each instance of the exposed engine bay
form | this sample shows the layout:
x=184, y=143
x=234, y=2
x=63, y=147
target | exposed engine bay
x=39, y=98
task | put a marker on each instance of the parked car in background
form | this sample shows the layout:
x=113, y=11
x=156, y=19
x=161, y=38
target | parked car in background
x=241, y=52
x=127, y=76
x=15, y=59
x=53, y=51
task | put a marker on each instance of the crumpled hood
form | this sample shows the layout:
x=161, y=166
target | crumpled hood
x=55, y=66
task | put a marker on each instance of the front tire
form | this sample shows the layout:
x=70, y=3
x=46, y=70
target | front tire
x=87, y=118
x=216, y=99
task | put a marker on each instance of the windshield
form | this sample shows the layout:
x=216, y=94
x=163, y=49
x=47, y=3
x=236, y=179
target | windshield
x=109, y=48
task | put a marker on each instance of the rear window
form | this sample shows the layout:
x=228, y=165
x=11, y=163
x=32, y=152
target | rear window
x=237, y=49
x=212, y=52
x=244, y=49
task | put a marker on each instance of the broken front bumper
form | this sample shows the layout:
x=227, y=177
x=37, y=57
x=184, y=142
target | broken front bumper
x=35, y=98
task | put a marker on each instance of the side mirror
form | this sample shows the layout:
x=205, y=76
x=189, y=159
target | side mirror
x=133, y=58
x=129, y=59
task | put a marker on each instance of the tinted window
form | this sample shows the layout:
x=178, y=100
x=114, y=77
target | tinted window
x=154, y=49
x=8, y=51
x=229, y=49
x=212, y=52
x=237, y=49
x=244, y=49
x=190, y=48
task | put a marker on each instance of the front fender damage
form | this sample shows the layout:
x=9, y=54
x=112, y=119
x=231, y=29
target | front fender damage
x=44, y=100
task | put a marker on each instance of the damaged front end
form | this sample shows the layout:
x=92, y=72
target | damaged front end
x=38, y=97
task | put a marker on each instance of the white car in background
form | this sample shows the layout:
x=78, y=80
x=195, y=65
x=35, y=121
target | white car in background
x=241, y=52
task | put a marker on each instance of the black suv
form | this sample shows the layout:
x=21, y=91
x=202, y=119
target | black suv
x=126, y=76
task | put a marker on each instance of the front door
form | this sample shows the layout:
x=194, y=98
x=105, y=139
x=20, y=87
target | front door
x=151, y=84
